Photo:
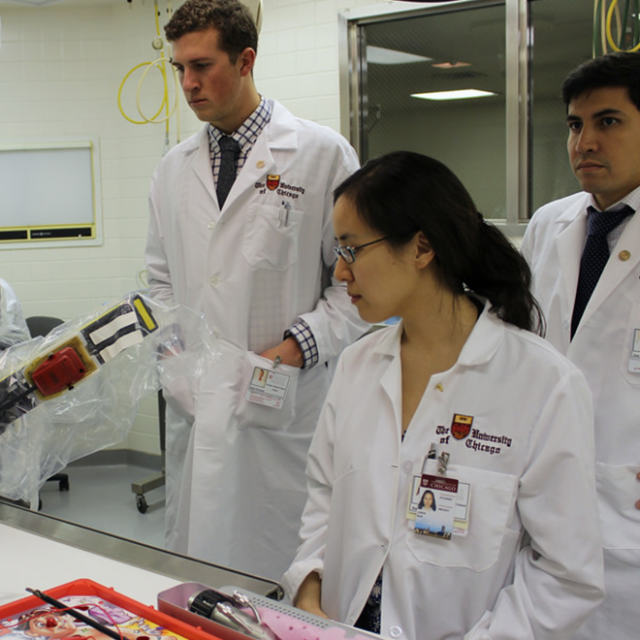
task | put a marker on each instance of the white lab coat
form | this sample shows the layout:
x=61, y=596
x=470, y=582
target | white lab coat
x=13, y=327
x=535, y=476
x=601, y=348
x=252, y=269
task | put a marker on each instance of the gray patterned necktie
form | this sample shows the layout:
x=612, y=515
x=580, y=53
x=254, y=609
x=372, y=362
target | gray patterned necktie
x=229, y=152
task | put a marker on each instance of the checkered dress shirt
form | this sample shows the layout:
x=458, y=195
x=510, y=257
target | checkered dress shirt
x=245, y=135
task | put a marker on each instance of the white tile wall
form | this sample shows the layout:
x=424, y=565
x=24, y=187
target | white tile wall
x=60, y=70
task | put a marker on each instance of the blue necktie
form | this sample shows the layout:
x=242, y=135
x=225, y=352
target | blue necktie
x=595, y=256
x=229, y=152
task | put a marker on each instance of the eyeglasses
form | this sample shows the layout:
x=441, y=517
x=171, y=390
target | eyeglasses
x=348, y=254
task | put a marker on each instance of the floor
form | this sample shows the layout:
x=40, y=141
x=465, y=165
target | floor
x=100, y=497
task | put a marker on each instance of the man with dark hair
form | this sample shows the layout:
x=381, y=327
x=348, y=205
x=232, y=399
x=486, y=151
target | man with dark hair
x=241, y=231
x=584, y=251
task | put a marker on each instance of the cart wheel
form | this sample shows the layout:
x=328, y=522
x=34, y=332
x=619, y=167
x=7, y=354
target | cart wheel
x=141, y=503
x=63, y=485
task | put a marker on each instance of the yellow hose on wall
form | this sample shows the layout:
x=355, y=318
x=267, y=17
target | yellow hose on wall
x=626, y=26
x=159, y=63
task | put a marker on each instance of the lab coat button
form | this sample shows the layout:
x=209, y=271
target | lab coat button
x=212, y=224
x=624, y=255
x=214, y=281
x=395, y=632
x=407, y=466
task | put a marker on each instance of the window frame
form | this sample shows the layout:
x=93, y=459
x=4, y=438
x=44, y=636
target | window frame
x=517, y=93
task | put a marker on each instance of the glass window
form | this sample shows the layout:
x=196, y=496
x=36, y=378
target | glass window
x=508, y=146
x=562, y=35
x=443, y=51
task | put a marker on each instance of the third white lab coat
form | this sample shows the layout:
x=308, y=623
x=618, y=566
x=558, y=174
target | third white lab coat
x=253, y=269
x=601, y=348
x=528, y=458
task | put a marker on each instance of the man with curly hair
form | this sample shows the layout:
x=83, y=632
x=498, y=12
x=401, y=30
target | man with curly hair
x=251, y=248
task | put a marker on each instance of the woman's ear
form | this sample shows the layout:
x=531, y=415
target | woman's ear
x=424, y=253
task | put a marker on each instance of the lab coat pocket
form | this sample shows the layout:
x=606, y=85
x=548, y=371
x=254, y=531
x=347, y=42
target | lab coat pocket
x=266, y=396
x=493, y=497
x=631, y=350
x=618, y=490
x=271, y=237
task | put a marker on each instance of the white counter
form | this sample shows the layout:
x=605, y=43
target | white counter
x=29, y=560
x=41, y=552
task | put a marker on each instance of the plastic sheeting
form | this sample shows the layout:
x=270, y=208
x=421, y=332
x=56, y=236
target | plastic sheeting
x=127, y=350
x=13, y=327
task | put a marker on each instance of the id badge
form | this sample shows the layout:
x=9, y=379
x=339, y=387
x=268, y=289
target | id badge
x=634, y=356
x=268, y=388
x=462, y=508
x=436, y=507
x=461, y=512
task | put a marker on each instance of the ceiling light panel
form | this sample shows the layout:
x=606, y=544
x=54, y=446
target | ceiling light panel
x=459, y=94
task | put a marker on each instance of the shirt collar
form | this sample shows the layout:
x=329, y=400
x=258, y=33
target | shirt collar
x=632, y=199
x=247, y=133
x=479, y=348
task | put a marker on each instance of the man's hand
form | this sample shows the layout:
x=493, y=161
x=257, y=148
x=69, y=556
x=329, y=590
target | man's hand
x=289, y=352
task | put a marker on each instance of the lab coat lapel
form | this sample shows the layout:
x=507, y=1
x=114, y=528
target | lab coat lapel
x=279, y=134
x=616, y=269
x=259, y=163
x=391, y=379
x=201, y=164
x=569, y=244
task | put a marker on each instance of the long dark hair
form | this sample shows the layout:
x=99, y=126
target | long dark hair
x=401, y=193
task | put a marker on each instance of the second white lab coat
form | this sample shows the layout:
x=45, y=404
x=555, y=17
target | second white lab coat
x=602, y=348
x=253, y=269
x=13, y=327
x=528, y=457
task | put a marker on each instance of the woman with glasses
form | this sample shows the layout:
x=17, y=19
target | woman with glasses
x=461, y=398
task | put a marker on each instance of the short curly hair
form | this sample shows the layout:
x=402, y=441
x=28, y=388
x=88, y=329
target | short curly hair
x=232, y=19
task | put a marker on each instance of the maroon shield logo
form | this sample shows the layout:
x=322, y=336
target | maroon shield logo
x=461, y=426
x=272, y=182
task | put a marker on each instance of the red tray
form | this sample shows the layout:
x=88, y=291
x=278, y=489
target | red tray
x=86, y=587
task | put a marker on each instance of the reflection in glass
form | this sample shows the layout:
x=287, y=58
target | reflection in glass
x=462, y=49
x=554, y=55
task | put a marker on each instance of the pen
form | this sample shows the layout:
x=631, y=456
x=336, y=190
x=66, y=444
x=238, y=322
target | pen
x=283, y=214
x=76, y=614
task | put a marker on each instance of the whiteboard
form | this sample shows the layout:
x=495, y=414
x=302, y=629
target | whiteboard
x=46, y=187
